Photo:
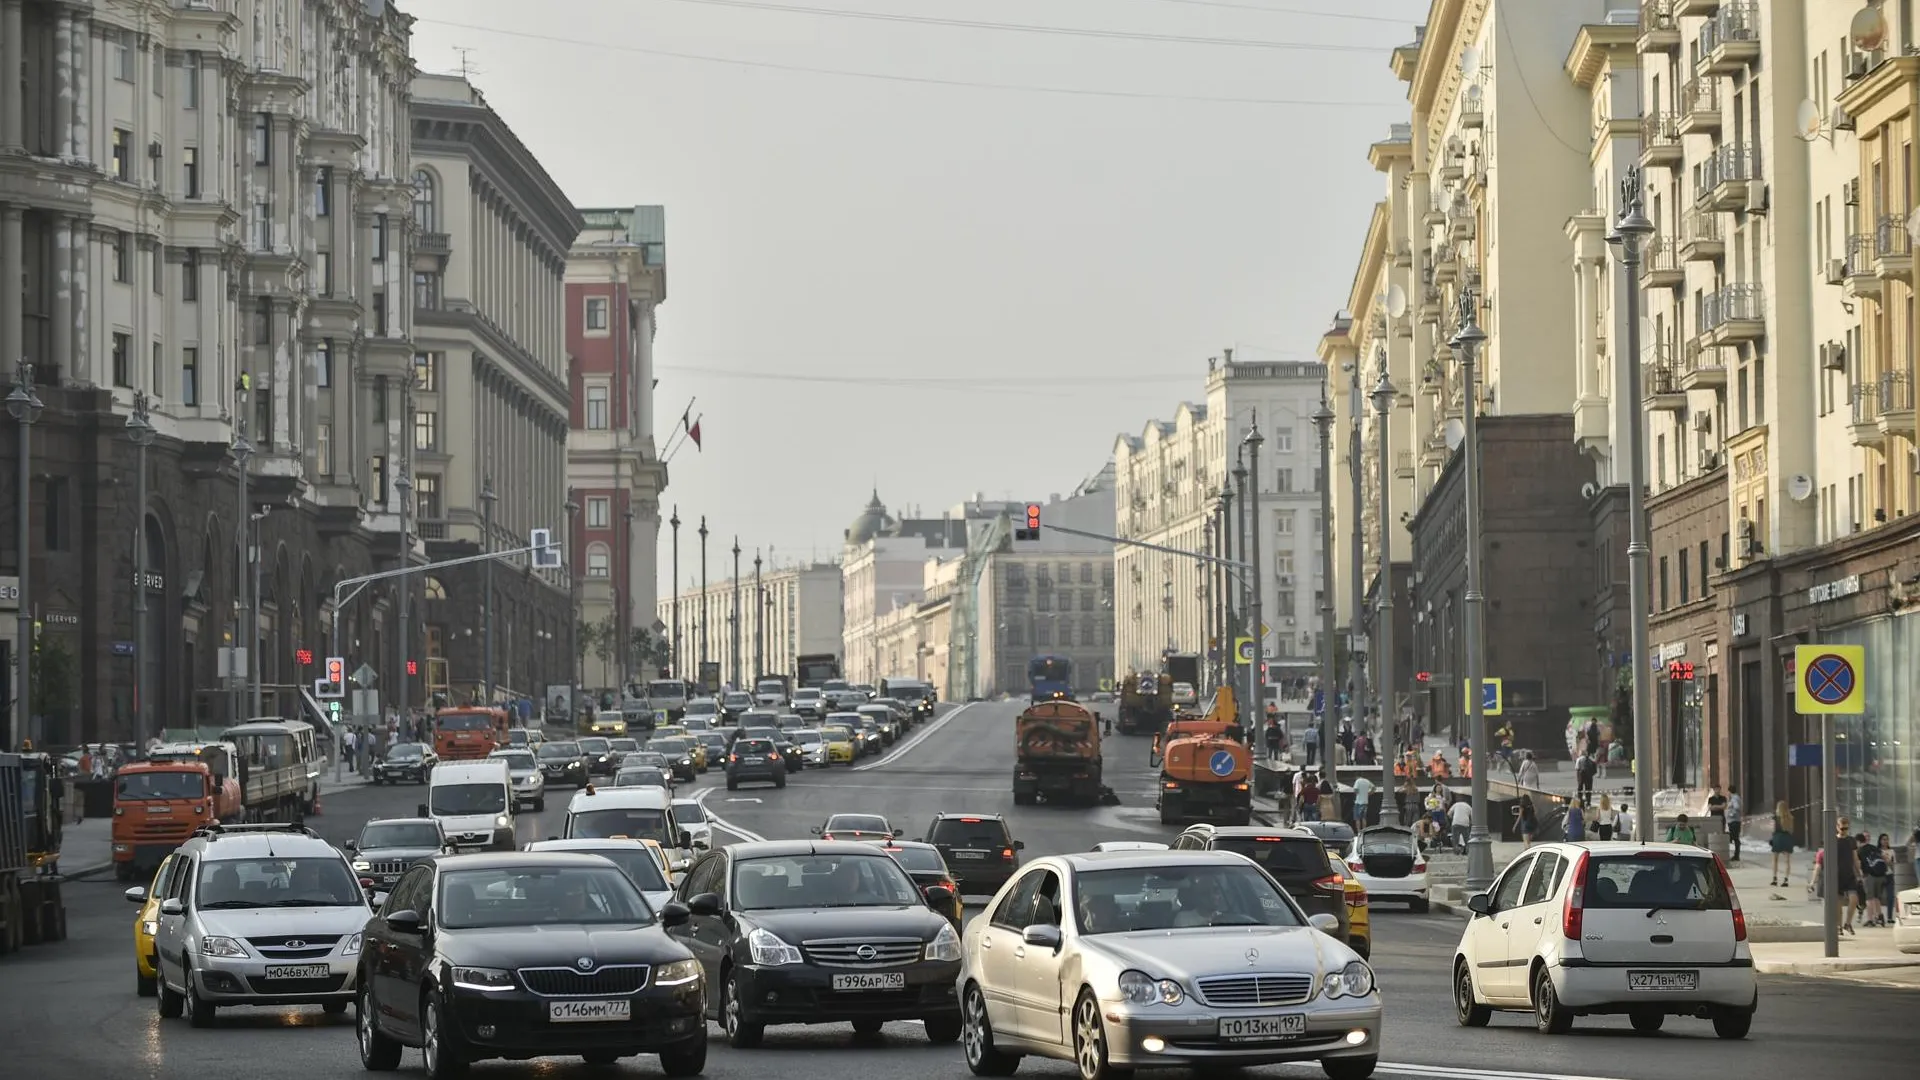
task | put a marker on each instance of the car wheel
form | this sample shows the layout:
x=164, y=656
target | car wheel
x=378, y=1053
x=599, y=1057
x=333, y=1008
x=742, y=1032
x=540, y=805
x=200, y=1013
x=976, y=1036
x=171, y=1004
x=867, y=1026
x=732, y=784
x=1735, y=1024
x=1363, y=948
x=686, y=1059
x=1551, y=1017
x=942, y=1030
x=1349, y=1068
x=1419, y=907
x=780, y=781
x=144, y=985
x=1647, y=1021
x=439, y=1040
x=1090, y=1041
x=1468, y=1011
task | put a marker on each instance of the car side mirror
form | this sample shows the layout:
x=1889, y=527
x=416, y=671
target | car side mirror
x=137, y=894
x=1019, y=845
x=1480, y=904
x=351, y=845
x=684, y=841
x=898, y=833
x=1325, y=923
x=674, y=913
x=406, y=922
x=700, y=844
x=815, y=830
x=939, y=896
x=172, y=906
x=706, y=903
x=421, y=811
x=1044, y=935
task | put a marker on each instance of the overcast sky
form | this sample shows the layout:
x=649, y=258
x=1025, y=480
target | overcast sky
x=935, y=288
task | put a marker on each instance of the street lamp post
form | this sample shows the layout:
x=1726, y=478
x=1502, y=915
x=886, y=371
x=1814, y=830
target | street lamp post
x=1323, y=422
x=738, y=680
x=623, y=618
x=244, y=633
x=705, y=607
x=759, y=621
x=1224, y=669
x=1466, y=342
x=1630, y=231
x=1358, y=647
x=1383, y=395
x=487, y=499
x=1240, y=533
x=1256, y=628
x=574, y=663
x=674, y=657
x=403, y=700
x=140, y=430
x=24, y=405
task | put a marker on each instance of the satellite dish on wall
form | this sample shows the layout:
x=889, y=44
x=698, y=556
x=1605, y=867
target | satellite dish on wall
x=1456, y=434
x=1913, y=226
x=1868, y=31
x=1396, y=301
x=1806, y=121
x=1470, y=60
x=1799, y=487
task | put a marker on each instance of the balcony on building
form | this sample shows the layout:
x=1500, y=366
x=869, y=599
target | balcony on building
x=1460, y=221
x=1659, y=30
x=1732, y=315
x=1473, y=104
x=1859, y=275
x=1454, y=167
x=1431, y=303
x=1403, y=253
x=1724, y=177
x=1730, y=40
x=1660, y=383
x=1436, y=214
x=1403, y=464
x=1660, y=265
x=1893, y=248
x=1699, y=107
x=1702, y=367
x=432, y=243
x=1684, y=8
x=1446, y=268
x=1660, y=141
x=1896, y=404
x=1864, y=426
x=1701, y=238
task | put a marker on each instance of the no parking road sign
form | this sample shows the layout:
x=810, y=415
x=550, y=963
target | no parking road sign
x=1828, y=679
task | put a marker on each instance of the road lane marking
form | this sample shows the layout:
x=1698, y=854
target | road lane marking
x=1449, y=1072
x=718, y=822
x=906, y=747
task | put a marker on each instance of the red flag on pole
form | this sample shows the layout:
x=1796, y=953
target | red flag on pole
x=694, y=434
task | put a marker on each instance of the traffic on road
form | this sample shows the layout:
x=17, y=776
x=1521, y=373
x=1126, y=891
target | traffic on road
x=989, y=888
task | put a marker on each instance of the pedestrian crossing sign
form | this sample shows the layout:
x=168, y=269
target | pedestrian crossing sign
x=1490, y=699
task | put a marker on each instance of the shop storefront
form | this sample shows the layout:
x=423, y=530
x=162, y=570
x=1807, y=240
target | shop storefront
x=1877, y=763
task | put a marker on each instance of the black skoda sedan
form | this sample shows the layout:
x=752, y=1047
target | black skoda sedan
x=819, y=932
x=527, y=954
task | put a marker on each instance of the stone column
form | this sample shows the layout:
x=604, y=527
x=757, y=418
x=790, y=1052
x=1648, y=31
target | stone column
x=12, y=224
x=1583, y=327
x=63, y=84
x=80, y=251
x=62, y=330
x=12, y=114
x=82, y=97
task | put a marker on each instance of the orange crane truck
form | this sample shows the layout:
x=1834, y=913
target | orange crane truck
x=1206, y=767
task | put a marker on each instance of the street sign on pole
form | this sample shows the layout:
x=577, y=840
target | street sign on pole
x=1243, y=651
x=1490, y=699
x=366, y=705
x=1829, y=679
x=364, y=676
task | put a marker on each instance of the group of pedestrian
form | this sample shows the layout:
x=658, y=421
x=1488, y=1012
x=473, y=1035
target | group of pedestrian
x=1866, y=877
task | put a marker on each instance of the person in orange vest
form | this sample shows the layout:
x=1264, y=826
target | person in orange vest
x=1441, y=770
x=1466, y=762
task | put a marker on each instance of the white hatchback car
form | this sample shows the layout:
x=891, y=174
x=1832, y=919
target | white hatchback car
x=1648, y=930
x=1906, y=926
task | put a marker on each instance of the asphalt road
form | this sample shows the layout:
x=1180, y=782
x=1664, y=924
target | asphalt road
x=69, y=1010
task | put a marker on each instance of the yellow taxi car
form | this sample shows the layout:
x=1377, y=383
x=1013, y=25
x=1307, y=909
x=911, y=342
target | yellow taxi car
x=661, y=860
x=840, y=747
x=1359, y=924
x=608, y=722
x=145, y=975
x=697, y=748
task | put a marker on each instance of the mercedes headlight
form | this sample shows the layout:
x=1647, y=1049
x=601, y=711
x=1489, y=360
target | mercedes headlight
x=945, y=945
x=362, y=866
x=1354, y=980
x=482, y=978
x=1140, y=988
x=215, y=945
x=769, y=951
x=150, y=927
x=678, y=973
x=352, y=945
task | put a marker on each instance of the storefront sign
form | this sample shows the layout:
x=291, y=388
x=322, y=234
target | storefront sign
x=1740, y=625
x=60, y=618
x=155, y=582
x=1834, y=590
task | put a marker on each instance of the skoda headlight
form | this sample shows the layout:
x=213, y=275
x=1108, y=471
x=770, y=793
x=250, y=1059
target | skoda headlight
x=502, y=821
x=769, y=951
x=482, y=978
x=1140, y=988
x=215, y=945
x=352, y=945
x=945, y=945
x=1354, y=980
x=362, y=865
x=150, y=927
x=677, y=973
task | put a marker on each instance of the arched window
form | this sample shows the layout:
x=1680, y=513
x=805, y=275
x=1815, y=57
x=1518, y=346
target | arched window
x=432, y=589
x=599, y=560
x=423, y=202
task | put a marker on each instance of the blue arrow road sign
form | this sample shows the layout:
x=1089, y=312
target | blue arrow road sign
x=1221, y=763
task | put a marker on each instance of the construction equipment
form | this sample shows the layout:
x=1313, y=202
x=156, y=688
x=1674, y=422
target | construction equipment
x=159, y=803
x=1146, y=703
x=1057, y=755
x=1206, y=767
x=31, y=805
x=475, y=731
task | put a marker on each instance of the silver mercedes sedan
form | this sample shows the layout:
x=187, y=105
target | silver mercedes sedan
x=1142, y=959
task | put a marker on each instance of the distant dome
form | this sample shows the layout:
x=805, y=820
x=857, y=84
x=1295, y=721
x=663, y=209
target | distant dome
x=871, y=523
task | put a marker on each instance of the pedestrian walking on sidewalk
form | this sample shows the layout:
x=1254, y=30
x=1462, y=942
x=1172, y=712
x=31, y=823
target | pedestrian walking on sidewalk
x=1575, y=825
x=1312, y=739
x=1605, y=818
x=1309, y=799
x=1583, y=772
x=1624, y=824
x=1873, y=879
x=1847, y=863
x=1362, y=796
x=1529, y=821
x=1528, y=774
x=1460, y=823
x=1781, y=843
x=1889, y=899
x=1734, y=820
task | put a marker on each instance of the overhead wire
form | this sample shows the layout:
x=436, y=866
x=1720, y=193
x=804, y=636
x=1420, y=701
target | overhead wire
x=942, y=382
x=1304, y=12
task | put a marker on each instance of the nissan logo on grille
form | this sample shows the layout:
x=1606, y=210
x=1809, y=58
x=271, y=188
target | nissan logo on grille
x=866, y=952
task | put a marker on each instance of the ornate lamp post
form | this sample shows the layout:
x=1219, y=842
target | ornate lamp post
x=1256, y=627
x=1323, y=423
x=24, y=405
x=674, y=657
x=403, y=483
x=1383, y=395
x=1466, y=342
x=140, y=431
x=487, y=499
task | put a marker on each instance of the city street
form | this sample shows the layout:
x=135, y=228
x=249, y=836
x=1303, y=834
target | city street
x=69, y=1010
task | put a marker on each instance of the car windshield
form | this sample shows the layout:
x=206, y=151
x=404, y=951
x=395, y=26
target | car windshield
x=806, y=693
x=534, y=895
x=1332, y=832
x=805, y=738
x=647, y=758
x=648, y=777
x=740, y=697
x=832, y=685
x=665, y=689
x=863, y=823
x=1174, y=897
x=919, y=860
x=594, y=746
x=703, y=707
x=518, y=760
x=1281, y=856
x=836, y=734
x=669, y=747
x=633, y=822
x=624, y=745
x=559, y=750
x=518, y=737
x=821, y=881
x=140, y=786
x=267, y=883
x=399, y=834
x=690, y=813
x=1655, y=882
x=455, y=799
x=635, y=860
x=769, y=686
x=969, y=832
x=406, y=751
x=766, y=733
x=463, y=721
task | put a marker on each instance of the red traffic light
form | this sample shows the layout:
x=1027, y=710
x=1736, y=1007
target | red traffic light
x=1424, y=676
x=336, y=670
x=303, y=657
x=1033, y=515
x=413, y=667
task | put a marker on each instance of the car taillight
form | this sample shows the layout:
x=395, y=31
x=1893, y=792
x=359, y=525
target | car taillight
x=1573, y=919
x=1331, y=883
x=733, y=757
x=1006, y=853
x=773, y=757
x=1733, y=899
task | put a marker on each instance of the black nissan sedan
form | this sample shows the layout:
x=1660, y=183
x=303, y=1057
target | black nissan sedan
x=563, y=763
x=818, y=932
x=526, y=954
x=408, y=762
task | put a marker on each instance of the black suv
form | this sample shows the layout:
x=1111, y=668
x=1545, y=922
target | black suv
x=755, y=761
x=979, y=849
x=387, y=847
x=1295, y=858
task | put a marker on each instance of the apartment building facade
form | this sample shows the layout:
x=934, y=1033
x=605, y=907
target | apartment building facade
x=883, y=566
x=185, y=231
x=789, y=610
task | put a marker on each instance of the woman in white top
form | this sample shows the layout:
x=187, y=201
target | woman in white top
x=1605, y=819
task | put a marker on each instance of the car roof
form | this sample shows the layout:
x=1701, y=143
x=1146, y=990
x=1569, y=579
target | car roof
x=1141, y=860
x=945, y=814
x=641, y=798
x=1624, y=847
x=760, y=849
x=581, y=843
x=492, y=860
x=1246, y=831
x=409, y=820
x=220, y=848
x=909, y=844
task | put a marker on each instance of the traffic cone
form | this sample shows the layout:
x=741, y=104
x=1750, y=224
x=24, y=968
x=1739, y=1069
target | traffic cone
x=316, y=804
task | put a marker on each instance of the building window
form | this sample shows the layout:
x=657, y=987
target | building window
x=122, y=361
x=55, y=534
x=323, y=272
x=190, y=172
x=122, y=257
x=123, y=56
x=423, y=215
x=1283, y=562
x=190, y=376
x=263, y=138
x=377, y=473
x=1283, y=481
x=597, y=408
x=1066, y=635
x=426, y=497
x=323, y=363
x=157, y=371
x=426, y=290
x=159, y=274
x=1283, y=440
x=190, y=79
x=323, y=449
x=379, y=399
x=596, y=313
x=599, y=561
x=379, y=238
x=599, y=512
x=263, y=321
x=426, y=372
x=1686, y=582
x=1661, y=597
x=1283, y=600
x=263, y=224
x=426, y=429
x=379, y=305
x=1283, y=523
x=1704, y=564
x=323, y=192
x=190, y=275
x=263, y=417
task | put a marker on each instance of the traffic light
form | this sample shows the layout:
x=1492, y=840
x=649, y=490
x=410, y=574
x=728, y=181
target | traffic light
x=413, y=667
x=1032, y=529
x=333, y=684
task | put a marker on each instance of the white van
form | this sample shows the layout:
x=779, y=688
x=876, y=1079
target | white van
x=473, y=802
x=633, y=813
